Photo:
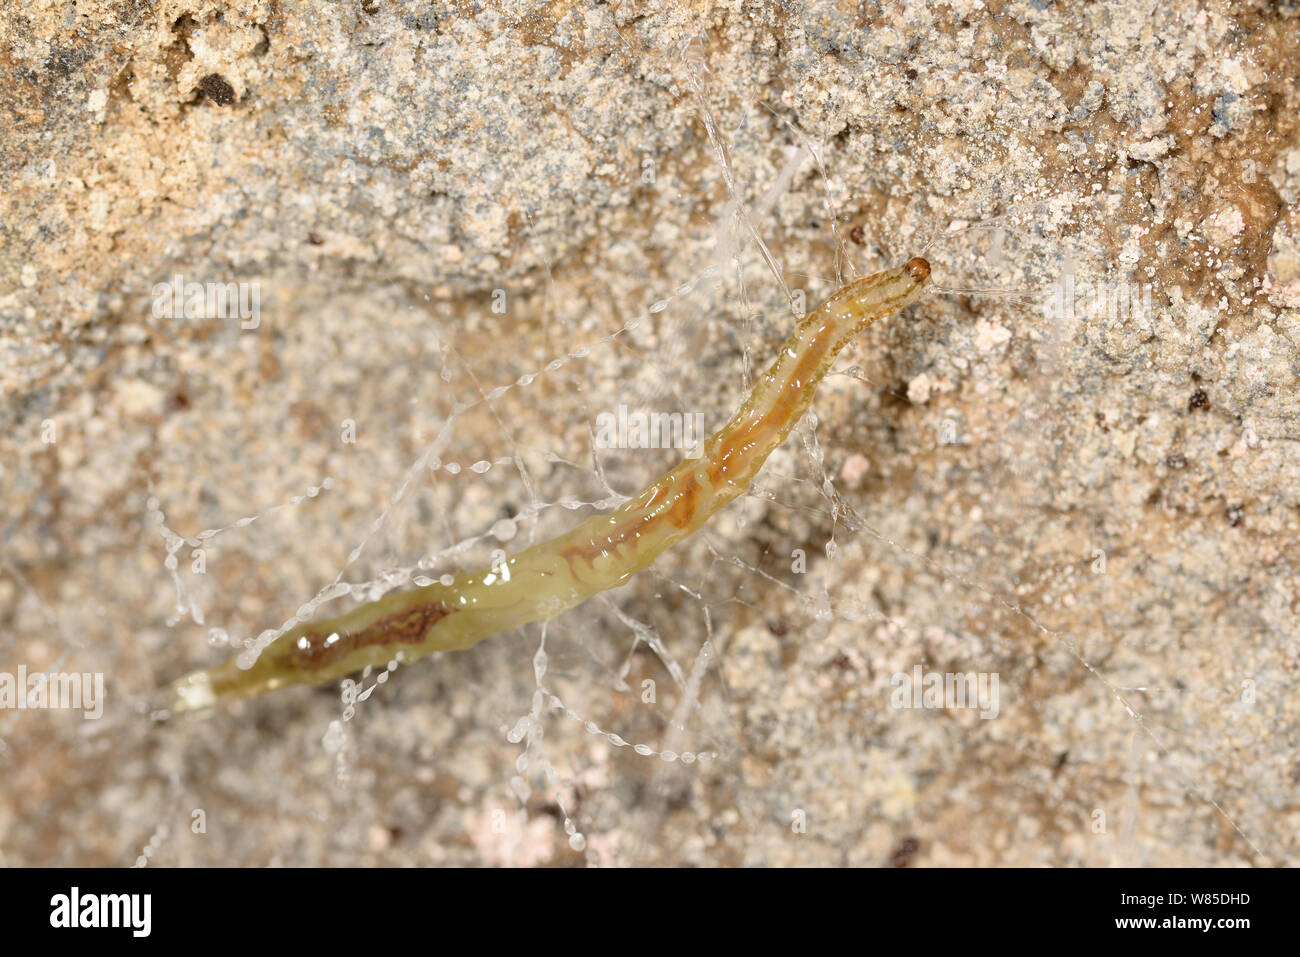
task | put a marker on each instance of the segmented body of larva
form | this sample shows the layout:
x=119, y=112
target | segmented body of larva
x=600, y=553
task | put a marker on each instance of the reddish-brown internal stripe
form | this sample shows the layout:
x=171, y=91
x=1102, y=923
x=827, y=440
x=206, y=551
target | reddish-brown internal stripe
x=683, y=490
x=405, y=627
x=739, y=442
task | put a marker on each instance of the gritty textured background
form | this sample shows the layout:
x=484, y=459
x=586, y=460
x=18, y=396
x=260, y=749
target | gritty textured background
x=1102, y=511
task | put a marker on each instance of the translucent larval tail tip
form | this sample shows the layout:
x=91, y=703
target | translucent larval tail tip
x=191, y=693
x=918, y=268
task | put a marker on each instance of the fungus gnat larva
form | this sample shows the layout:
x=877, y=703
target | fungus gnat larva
x=600, y=553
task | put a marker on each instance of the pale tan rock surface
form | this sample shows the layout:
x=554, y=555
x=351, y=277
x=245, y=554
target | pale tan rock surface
x=1102, y=511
